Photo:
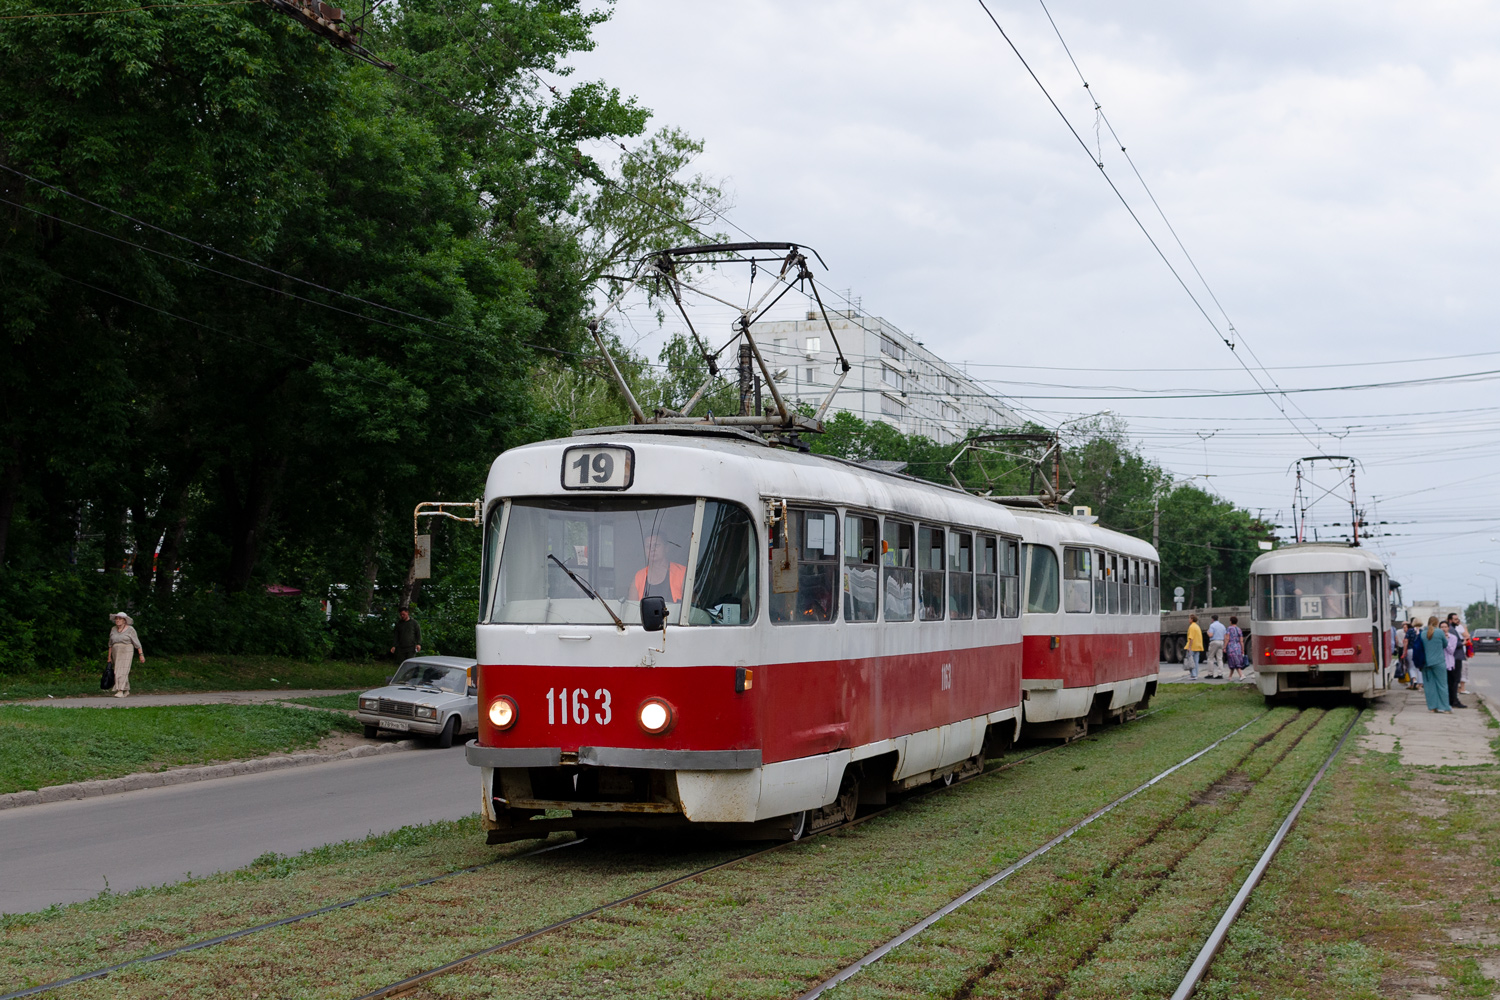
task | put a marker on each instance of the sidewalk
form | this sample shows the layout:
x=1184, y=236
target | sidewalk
x=191, y=698
x=1403, y=723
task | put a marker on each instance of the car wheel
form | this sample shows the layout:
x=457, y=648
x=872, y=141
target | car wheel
x=371, y=732
x=450, y=730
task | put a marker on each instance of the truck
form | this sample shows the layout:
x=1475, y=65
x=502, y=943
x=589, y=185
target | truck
x=1174, y=626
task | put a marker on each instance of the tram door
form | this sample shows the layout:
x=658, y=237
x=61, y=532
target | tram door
x=1379, y=627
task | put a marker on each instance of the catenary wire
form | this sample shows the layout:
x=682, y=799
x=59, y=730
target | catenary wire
x=1142, y=226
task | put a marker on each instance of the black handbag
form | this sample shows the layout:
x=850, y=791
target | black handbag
x=107, y=679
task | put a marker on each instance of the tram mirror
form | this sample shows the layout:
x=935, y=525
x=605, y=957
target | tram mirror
x=654, y=614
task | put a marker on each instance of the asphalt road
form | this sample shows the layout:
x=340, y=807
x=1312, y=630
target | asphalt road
x=63, y=852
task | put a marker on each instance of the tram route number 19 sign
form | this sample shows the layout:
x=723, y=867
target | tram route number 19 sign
x=598, y=467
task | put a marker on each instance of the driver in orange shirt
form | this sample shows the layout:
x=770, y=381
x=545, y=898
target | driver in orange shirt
x=659, y=577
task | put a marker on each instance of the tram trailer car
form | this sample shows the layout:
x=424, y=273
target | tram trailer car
x=1090, y=629
x=1321, y=621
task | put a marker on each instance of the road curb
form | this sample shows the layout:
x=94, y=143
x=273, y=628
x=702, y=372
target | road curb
x=184, y=775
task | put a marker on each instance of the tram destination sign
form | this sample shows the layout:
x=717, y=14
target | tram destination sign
x=598, y=467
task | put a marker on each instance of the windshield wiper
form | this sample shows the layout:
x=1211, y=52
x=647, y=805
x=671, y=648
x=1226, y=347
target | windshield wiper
x=588, y=590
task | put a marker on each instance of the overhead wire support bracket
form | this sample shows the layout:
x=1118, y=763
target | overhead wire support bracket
x=328, y=21
x=665, y=267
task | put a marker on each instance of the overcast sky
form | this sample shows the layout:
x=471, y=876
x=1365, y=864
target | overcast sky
x=1331, y=167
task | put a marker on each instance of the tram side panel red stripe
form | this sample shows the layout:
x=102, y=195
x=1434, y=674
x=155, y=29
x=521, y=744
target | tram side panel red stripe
x=1086, y=660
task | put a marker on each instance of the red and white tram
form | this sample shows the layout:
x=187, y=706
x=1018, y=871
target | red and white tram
x=829, y=633
x=1090, y=651
x=1320, y=620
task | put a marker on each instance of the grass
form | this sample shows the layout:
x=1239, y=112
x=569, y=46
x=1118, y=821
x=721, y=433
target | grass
x=205, y=672
x=768, y=927
x=1386, y=887
x=47, y=745
x=337, y=702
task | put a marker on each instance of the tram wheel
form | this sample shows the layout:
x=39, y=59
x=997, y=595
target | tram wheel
x=797, y=825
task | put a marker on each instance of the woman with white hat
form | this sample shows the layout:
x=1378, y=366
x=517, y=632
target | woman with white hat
x=122, y=642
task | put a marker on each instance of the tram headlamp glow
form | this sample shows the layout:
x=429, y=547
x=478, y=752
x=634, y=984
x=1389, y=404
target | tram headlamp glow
x=503, y=713
x=656, y=716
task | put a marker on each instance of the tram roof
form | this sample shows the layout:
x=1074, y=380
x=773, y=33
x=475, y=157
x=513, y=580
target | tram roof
x=1316, y=557
x=738, y=466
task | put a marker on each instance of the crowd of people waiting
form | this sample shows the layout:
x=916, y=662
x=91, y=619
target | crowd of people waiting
x=1434, y=658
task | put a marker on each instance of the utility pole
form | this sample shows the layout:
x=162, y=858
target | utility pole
x=1208, y=600
x=1156, y=524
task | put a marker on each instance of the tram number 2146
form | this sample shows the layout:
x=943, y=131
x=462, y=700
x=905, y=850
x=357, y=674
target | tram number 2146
x=1308, y=654
x=565, y=705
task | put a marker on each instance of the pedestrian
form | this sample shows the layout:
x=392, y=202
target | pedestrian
x=1416, y=655
x=1234, y=649
x=123, y=643
x=1434, y=673
x=408, y=637
x=1194, y=646
x=1216, y=633
x=1460, y=656
x=1451, y=646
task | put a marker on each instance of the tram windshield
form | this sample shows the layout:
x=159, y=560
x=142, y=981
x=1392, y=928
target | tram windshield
x=1310, y=596
x=562, y=559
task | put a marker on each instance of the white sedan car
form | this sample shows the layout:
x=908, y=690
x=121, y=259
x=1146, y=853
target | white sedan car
x=434, y=696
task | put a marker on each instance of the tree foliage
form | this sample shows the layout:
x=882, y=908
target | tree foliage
x=370, y=270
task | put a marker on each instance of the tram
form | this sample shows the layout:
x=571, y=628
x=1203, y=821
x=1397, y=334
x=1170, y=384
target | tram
x=693, y=628
x=1320, y=619
x=1090, y=652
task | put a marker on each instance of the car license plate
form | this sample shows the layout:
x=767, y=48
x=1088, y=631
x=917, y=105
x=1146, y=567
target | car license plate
x=400, y=727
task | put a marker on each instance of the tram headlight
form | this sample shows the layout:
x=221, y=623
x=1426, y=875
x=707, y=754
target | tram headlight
x=656, y=716
x=503, y=712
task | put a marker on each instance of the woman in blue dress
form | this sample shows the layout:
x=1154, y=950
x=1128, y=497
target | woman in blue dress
x=1434, y=667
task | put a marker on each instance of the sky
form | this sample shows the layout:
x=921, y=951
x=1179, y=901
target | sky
x=1331, y=167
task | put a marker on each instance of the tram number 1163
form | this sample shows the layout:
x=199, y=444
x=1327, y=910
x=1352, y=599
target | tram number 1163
x=565, y=705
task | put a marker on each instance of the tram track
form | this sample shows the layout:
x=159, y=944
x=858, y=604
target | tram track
x=411, y=983
x=1061, y=941
x=406, y=985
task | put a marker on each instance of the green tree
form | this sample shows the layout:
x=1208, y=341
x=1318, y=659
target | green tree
x=1482, y=614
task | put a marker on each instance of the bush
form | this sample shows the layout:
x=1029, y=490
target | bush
x=207, y=621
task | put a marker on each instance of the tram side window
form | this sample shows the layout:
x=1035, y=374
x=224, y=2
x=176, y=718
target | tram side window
x=1041, y=580
x=1010, y=578
x=1101, y=582
x=1114, y=584
x=1155, y=570
x=960, y=575
x=898, y=567
x=931, y=566
x=1135, y=586
x=1078, y=589
x=861, y=568
x=724, y=584
x=804, y=567
x=492, y=541
x=987, y=555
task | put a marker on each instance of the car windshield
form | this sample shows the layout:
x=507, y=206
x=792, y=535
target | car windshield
x=563, y=559
x=1310, y=596
x=416, y=674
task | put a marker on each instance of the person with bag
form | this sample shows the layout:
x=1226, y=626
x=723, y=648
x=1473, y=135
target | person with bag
x=1416, y=657
x=123, y=643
